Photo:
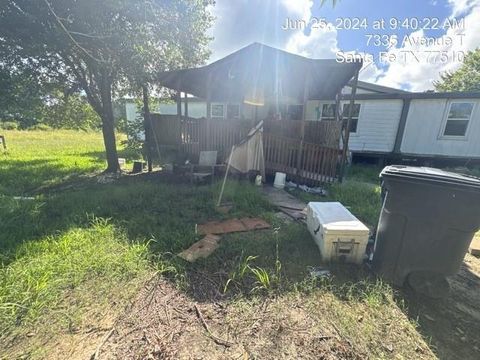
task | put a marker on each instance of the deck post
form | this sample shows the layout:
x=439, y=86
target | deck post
x=347, y=127
x=186, y=104
x=209, y=120
x=147, y=127
x=178, y=100
x=302, y=128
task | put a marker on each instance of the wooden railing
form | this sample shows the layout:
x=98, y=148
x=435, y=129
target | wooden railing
x=191, y=135
x=318, y=163
x=325, y=133
x=319, y=152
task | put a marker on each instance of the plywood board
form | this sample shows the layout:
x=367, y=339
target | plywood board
x=232, y=225
x=475, y=245
x=201, y=249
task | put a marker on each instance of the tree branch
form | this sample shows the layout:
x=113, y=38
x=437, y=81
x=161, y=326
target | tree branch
x=68, y=32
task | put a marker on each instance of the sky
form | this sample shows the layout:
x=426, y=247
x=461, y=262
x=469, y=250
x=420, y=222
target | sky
x=404, y=43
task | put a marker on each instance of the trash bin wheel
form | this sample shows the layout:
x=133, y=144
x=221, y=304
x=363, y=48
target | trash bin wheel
x=431, y=284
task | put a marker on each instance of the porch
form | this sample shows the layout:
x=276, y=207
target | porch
x=320, y=151
x=268, y=85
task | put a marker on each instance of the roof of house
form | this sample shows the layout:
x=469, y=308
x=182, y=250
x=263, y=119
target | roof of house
x=264, y=70
x=418, y=95
x=380, y=89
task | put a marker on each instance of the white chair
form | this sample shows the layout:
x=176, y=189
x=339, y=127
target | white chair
x=207, y=162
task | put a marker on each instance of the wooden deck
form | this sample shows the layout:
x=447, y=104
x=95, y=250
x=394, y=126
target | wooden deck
x=320, y=154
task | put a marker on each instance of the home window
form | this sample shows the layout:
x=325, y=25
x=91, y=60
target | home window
x=233, y=111
x=328, y=112
x=458, y=117
x=217, y=111
x=355, y=115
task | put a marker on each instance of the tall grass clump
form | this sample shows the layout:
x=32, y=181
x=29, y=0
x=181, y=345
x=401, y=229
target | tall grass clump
x=365, y=173
x=36, y=280
x=362, y=199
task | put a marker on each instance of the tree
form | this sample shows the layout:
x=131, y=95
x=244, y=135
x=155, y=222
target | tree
x=69, y=112
x=22, y=96
x=97, y=46
x=466, y=78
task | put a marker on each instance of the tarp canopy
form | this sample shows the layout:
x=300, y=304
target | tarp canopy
x=261, y=71
x=248, y=154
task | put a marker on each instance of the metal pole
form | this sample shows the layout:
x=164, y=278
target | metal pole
x=347, y=127
x=302, y=126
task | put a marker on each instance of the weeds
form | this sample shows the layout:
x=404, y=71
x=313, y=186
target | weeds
x=43, y=270
x=57, y=255
x=262, y=278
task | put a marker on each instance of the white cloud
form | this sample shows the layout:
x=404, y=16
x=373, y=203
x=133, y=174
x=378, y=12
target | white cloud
x=422, y=63
x=320, y=43
x=460, y=7
x=418, y=63
x=237, y=25
x=302, y=9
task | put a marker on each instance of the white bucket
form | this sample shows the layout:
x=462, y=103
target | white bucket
x=121, y=162
x=279, y=182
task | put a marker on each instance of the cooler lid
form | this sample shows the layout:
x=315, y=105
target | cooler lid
x=429, y=174
x=335, y=217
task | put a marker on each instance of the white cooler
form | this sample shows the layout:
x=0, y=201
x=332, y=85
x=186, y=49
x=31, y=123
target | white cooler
x=339, y=235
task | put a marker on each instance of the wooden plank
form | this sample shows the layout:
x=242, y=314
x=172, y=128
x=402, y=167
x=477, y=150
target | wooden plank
x=475, y=245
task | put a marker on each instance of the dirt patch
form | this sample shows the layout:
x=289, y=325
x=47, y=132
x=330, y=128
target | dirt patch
x=453, y=323
x=163, y=323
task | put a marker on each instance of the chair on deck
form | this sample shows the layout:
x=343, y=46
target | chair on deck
x=205, y=168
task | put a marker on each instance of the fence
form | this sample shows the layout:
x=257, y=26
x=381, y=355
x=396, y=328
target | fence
x=318, y=160
x=194, y=135
x=318, y=163
x=325, y=133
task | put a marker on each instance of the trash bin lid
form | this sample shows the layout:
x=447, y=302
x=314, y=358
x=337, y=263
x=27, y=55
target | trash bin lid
x=429, y=174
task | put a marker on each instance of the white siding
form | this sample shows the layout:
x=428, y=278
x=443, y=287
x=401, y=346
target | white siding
x=131, y=111
x=377, y=124
x=348, y=90
x=424, y=130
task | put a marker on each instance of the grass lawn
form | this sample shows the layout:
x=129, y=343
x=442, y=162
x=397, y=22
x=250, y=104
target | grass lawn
x=73, y=258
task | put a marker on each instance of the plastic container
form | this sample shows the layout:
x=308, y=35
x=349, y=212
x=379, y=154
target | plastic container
x=279, y=181
x=340, y=236
x=428, y=220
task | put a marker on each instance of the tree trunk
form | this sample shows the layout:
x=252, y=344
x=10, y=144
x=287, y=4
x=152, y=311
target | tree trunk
x=108, y=125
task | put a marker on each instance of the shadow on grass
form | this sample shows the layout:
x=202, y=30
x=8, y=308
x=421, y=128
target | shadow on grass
x=165, y=214
x=162, y=213
x=20, y=177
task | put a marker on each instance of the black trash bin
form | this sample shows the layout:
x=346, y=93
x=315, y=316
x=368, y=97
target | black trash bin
x=428, y=220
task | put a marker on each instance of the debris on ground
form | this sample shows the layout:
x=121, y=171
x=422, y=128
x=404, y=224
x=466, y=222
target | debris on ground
x=164, y=323
x=475, y=246
x=295, y=214
x=108, y=178
x=201, y=249
x=286, y=203
x=312, y=190
x=232, y=225
x=319, y=272
x=23, y=198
